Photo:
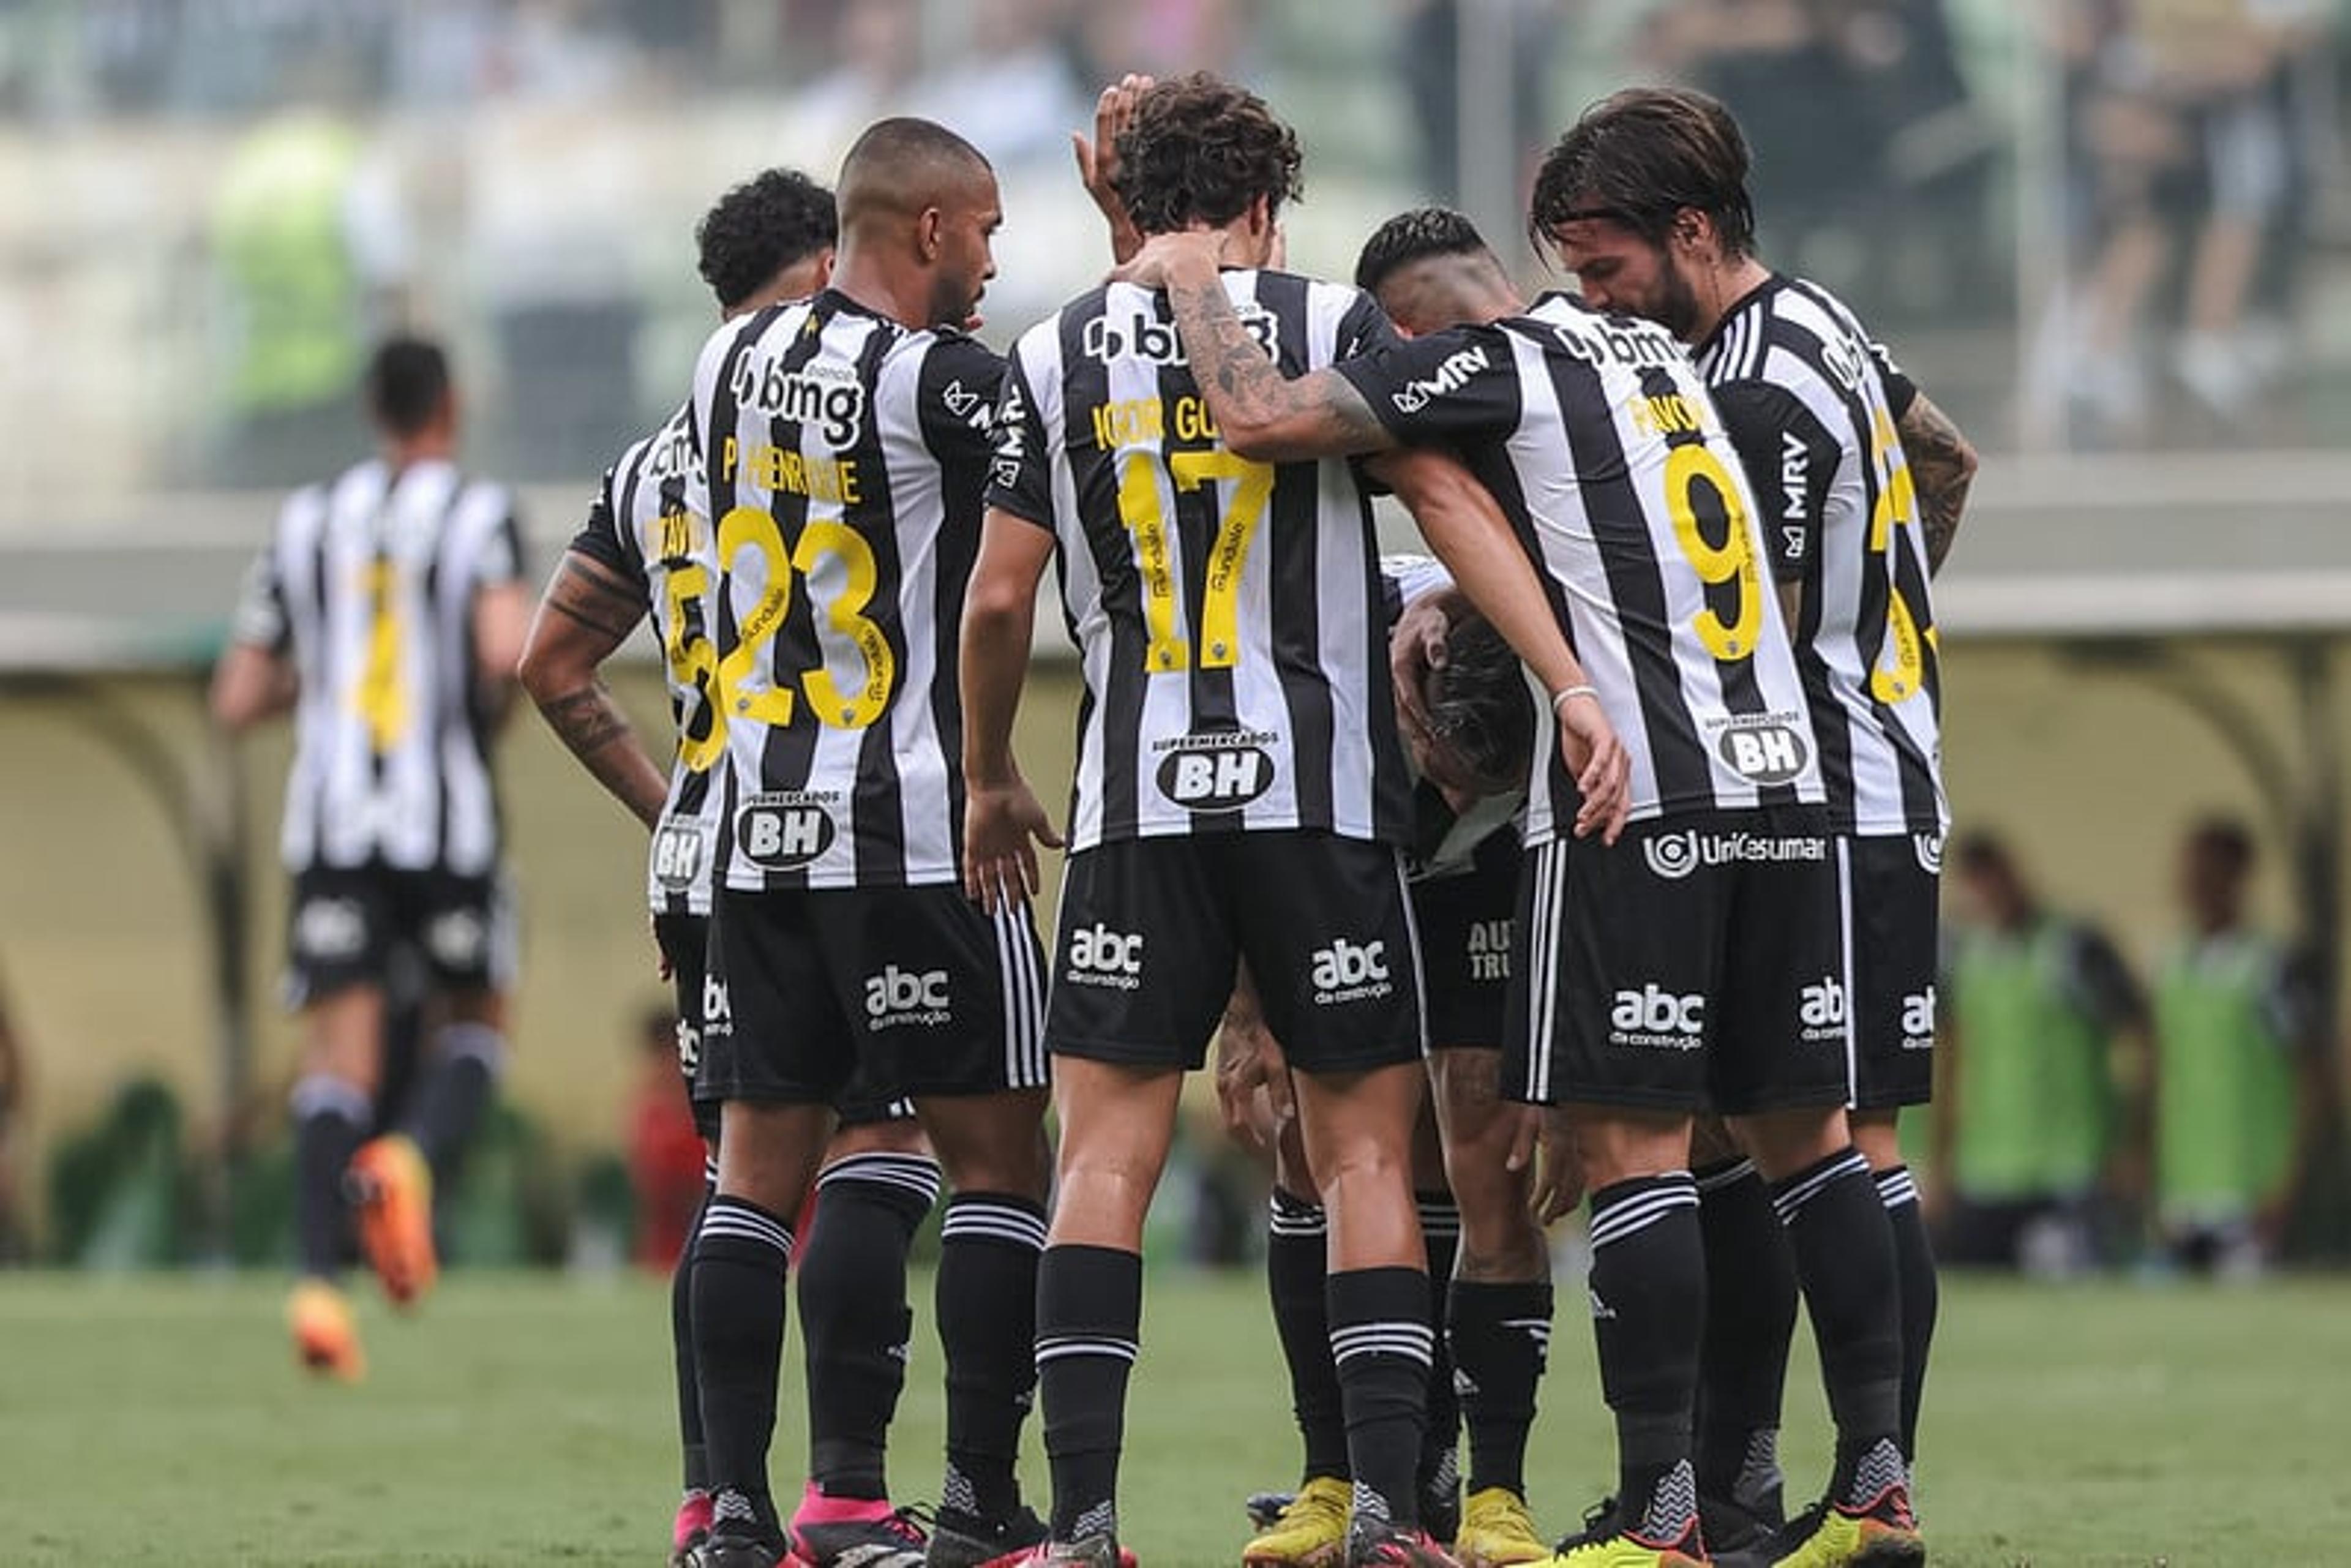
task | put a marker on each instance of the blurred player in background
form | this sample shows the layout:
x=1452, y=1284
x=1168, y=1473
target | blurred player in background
x=2239, y=1075
x=2038, y=1007
x=1469, y=729
x=846, y=439
x=1241, y=795
x=644, y=551
x=1862, y=481
x=386, y=614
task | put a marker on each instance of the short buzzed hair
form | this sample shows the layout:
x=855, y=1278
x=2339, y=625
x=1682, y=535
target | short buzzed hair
x=1640, y=157
x=904, y=164
x=777, y=219
x=1414, y=237
x=407, y=382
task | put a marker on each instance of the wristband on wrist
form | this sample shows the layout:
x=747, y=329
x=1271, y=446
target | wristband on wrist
x=1561, y=699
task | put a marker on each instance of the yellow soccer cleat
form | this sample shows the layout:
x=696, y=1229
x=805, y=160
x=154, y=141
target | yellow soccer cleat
x=1311, y=1532
x=1623, y=1551
x=1883, y=1535
x=326, y=1339
x=1496, y=1530
x=392, y=1187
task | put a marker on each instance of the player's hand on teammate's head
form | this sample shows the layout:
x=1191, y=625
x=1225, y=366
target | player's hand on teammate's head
x=1166, y=256
x=1002, y=826
x=1252, y=1082
x=1098, y=163
x=1417, y=645
x=1602, y=770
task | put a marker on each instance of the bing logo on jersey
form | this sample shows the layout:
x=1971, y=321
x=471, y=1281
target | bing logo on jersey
x=785, y=832
x=1216, y=772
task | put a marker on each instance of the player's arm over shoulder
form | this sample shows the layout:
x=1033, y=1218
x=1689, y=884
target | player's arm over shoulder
x=1260, y=413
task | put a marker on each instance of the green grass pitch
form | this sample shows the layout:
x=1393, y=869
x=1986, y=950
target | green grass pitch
x=529, y=1420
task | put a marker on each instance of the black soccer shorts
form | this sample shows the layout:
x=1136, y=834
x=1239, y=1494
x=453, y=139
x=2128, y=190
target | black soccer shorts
x=904, y=992
x=1152, y=928
x=685, y=939
x=346, y=922
x=1468, y=923
x=1890, y=887
x=1695, y=965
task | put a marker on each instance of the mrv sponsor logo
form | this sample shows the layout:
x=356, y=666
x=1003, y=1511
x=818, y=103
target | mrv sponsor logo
x=897, y=999
x=1351, y=972
x=786, y=832
x=1217, y=772
x=1457, y=371
x=1674, y=856
x=1658, y=1019
x=1098, y=955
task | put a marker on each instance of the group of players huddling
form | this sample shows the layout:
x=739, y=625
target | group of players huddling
x=1584, y=815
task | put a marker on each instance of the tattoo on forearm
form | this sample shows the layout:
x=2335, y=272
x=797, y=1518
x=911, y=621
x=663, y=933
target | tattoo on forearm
x=1942, y=466
x=601, y=606
x=586, y=721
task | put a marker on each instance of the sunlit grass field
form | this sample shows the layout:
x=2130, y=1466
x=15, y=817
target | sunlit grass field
x=527, y=1419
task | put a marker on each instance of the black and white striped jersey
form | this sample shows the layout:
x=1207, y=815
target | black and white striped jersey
x=1228, y=614
x=1595, y=434
x=643, y=524
x=1811, y=404
x=368, y=586
x=843, y=461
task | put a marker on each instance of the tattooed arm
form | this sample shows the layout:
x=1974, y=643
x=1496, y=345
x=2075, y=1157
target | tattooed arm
x=588, y=612
x=1260, y=413
x=1942, y=466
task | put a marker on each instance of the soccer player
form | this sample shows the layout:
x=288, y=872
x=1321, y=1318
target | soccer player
x=386, y=614
x=1694, y=963
x=2040, y=1005
x=1240, y=796
x=846, y=439
x=1468, y=726
x=643, y=552
x=1861, y=481
x=2240, y=1068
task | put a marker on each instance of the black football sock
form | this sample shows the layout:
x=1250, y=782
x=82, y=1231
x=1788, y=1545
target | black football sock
x=1382, y=1343
x=1501, y=1342
x=1648, y=1307
x=467, y=1058
x=1089, y=1324
x=1914, y=1260
x=1297, y=1249
x=1750, y=1317
x=681, y=1332
x=1844, y=1258
x=1440, y=1443
x=854, y=1320
x=741, y=1254
x=330, y=1121
x=988, y=1250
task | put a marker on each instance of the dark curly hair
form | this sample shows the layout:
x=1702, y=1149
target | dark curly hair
x=1479, y=705
x=407, y=382
x=1200, y=150
x=1414, y=237
x=1640, y=157
x=770, y=222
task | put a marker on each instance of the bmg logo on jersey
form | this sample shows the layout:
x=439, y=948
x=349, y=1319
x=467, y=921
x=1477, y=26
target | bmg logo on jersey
x=1098, y=955
x=1143, y=336
x=830, y=397
x=1216, y=772
x=1349, y=971
x=1919, y=1011
x=1765, y=752
x=1658, y=1019
x=1821, y=1010
x=903, y=999
x=786, y=832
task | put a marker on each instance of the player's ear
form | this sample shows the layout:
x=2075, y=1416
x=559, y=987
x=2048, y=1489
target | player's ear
x=926, y=233
x=823, y=268
x=1693, y=230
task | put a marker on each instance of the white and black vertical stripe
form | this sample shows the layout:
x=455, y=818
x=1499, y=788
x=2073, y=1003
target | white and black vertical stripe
x=385, y=565
x=1024, y=1061
x=1545, y=870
